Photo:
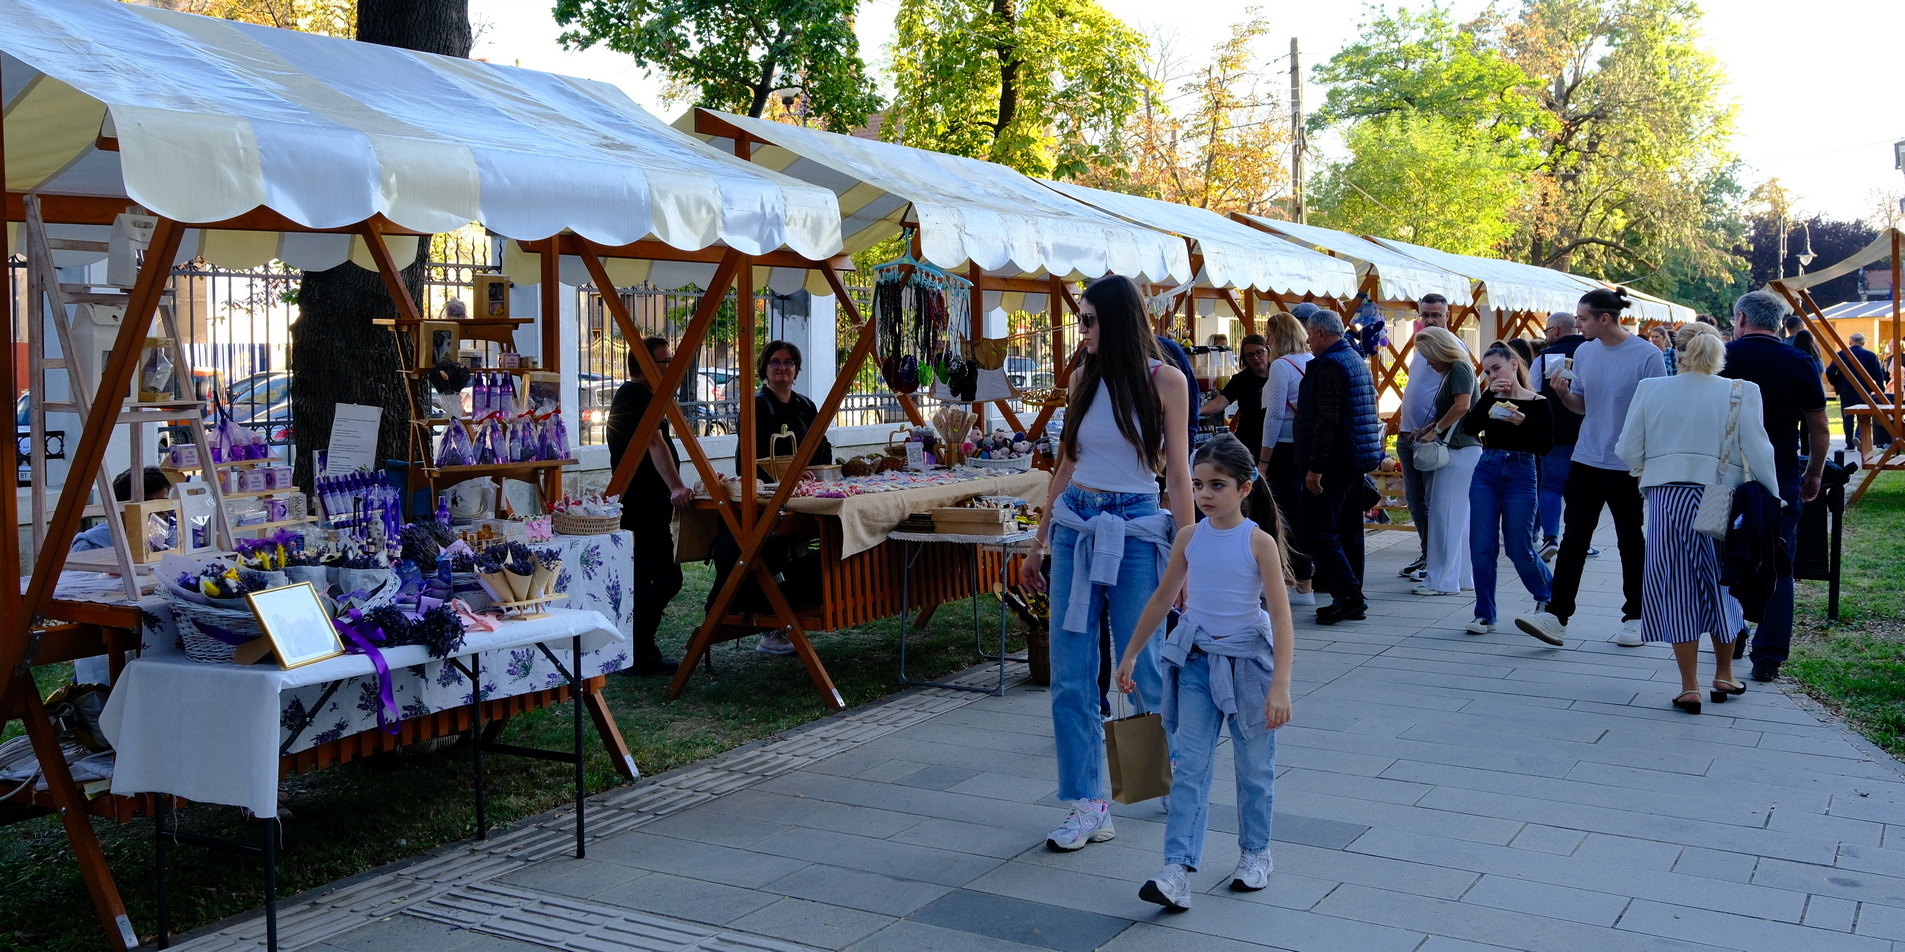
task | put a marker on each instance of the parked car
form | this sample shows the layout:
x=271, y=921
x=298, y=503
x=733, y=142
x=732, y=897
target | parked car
x=1026, y=372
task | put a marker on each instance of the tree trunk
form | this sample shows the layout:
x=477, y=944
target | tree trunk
x=337, y=354
x=1009, y=64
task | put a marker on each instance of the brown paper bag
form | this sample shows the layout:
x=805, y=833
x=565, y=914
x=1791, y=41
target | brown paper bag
x=1140, y=758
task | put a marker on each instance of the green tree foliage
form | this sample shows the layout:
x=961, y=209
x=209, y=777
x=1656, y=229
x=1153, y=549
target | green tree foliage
x=1423, y=179
x=1605, y=116
x=730, y=54
x=1043, y=86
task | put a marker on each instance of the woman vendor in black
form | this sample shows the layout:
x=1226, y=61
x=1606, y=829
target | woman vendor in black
x=777, y=406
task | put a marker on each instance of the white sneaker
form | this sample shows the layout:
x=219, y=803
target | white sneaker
x=1253, y=872
x=1480, y=627
x=1168, y=890
x=1425, y=590
x=1545, y=626
x=1090, y=822
x=1630, y=636
x=775, y=643
x=1302, y=598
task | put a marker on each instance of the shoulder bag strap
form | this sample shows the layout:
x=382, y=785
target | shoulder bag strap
x=1732, y=427
x=1300, y=373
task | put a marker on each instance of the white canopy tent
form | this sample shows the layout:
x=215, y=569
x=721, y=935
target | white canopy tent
x=207, y=121
x=969, y=213
x=1399, y=277
x=1234, y=255
x=1502, y=285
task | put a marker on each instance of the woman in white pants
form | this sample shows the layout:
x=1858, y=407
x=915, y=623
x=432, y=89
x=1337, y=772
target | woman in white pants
x=1451, y=572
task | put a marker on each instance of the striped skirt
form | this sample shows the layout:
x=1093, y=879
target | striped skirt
x=1680, y=596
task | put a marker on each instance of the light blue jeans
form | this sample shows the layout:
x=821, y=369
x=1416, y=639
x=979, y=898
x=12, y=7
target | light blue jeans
x=1501, y=509
x=1076, y=724
x=1554, y=475
x=1199, y=725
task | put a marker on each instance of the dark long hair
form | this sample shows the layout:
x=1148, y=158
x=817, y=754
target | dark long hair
x=1233, y=459
x=1123, y=364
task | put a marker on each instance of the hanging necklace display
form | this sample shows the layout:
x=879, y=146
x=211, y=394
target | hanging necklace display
x=913, y=304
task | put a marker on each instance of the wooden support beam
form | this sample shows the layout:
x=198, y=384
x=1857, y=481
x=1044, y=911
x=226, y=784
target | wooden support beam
x=387, y=269
x=690, y=342
x=84, y=463
x=744, y=447
x=751, y=542
x=549, y=306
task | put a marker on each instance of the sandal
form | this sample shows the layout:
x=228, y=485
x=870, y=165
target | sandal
x=1724, y=689
x=1691, y=707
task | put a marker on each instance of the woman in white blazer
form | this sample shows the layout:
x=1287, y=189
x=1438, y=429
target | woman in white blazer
x=1675, y=438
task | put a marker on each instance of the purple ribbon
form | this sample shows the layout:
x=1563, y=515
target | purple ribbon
x=360, y=634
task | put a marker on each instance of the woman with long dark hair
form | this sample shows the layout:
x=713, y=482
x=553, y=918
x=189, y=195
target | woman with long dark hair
x=1126, y=421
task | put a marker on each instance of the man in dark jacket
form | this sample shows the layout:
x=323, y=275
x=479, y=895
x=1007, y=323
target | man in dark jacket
x=648, y=506
x=1850, y=391
x=1338, y=440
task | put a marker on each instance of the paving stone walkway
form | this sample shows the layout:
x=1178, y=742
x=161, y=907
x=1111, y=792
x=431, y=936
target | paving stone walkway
x=1437, y=792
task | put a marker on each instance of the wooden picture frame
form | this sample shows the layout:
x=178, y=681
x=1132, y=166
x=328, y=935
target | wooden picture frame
x=296, y=625
x=136, y=517
x=492, y=296
x=438, y=341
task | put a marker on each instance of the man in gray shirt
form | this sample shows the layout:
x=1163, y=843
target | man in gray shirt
x=1607, y=369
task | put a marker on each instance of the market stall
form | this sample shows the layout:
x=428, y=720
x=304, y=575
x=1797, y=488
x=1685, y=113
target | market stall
x=980, y=237
x=310, y=150
x=1521, y=296
x=1887, y=408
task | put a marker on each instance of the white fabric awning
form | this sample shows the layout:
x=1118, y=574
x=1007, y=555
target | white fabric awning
x=1235, y=255
x=213, y=119
x=968, y=211
x=1880, y=250
x=1398, y=276
x=1504, y=285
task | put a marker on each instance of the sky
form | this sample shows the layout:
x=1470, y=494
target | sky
x=1813, y=110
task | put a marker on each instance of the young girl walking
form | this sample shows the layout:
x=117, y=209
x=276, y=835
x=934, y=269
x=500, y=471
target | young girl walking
x=1228, y=660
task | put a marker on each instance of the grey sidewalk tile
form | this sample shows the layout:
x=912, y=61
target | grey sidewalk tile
x=1865, y=800
x=1830, y=881
x=1312, y=831
x=1089, y=887
x=877, y=856
x=1361, y=788
x=1716, y=864
x=887, y=771
x=1747, y=764
x=923, y=803
x=861, y=821
x=960, y=837
x=706, y=826
x=1471, y=922
x=679, y=897
x=762, y=805
x=568, y=876
x=812, y=923
x=1335, y=761
x=858, y=889
x=404, y=932
x=1629, y=851
x=713, y=863
x=1442, y=943
x=1871, y=859
x=1815, y=743
x=1739, y=932
x=1825, y=912
x=1644, y=782
x=1146, y=937
x=1000, y=786
x=1881, y=921
x=1017, y=920
x=1725, y=804
x=1541, y=899
x=1548, y=839
x=1544, y=765
x=908, y=936
x=1861, y=836
x=936, y=777
x=1290, y=928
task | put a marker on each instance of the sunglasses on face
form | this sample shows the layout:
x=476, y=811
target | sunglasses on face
x=1087, y=321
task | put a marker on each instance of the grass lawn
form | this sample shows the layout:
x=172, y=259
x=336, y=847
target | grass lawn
x=1857, y=666
x=348, y=819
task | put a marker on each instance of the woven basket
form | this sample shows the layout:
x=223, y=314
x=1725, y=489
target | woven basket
x=568, y=524
x=1019, y=465
x=195, y=620
x=775, y=465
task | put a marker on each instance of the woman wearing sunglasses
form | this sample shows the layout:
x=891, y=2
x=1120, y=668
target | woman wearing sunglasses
x=1127, y=421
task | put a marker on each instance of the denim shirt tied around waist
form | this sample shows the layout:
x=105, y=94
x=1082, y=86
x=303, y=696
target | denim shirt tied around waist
x=1240, y=664
x=1100, y=552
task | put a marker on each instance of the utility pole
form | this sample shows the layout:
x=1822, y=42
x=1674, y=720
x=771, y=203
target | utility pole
x=1298, y=140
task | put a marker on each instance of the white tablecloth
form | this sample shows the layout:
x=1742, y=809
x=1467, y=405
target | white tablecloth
x=212, y=732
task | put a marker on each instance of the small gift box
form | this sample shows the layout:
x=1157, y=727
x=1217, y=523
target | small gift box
x=278, y=477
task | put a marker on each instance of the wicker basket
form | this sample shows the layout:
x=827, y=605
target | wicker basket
x=775, y=465
x=197, y=618
x=568, y=524
x=1019, y=465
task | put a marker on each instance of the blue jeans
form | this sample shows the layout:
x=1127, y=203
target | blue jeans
x=1554, y=476
x=1076, y=724
x=1501, y=512
x=1199, y=726
x=1773, y=640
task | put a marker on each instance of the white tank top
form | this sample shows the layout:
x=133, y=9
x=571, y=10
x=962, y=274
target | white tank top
x=1106, y=460
x=1226, y=585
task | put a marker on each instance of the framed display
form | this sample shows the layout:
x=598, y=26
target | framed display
x=437, y=342
x=296, y=624
x=152, y=528
x=492, y=295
